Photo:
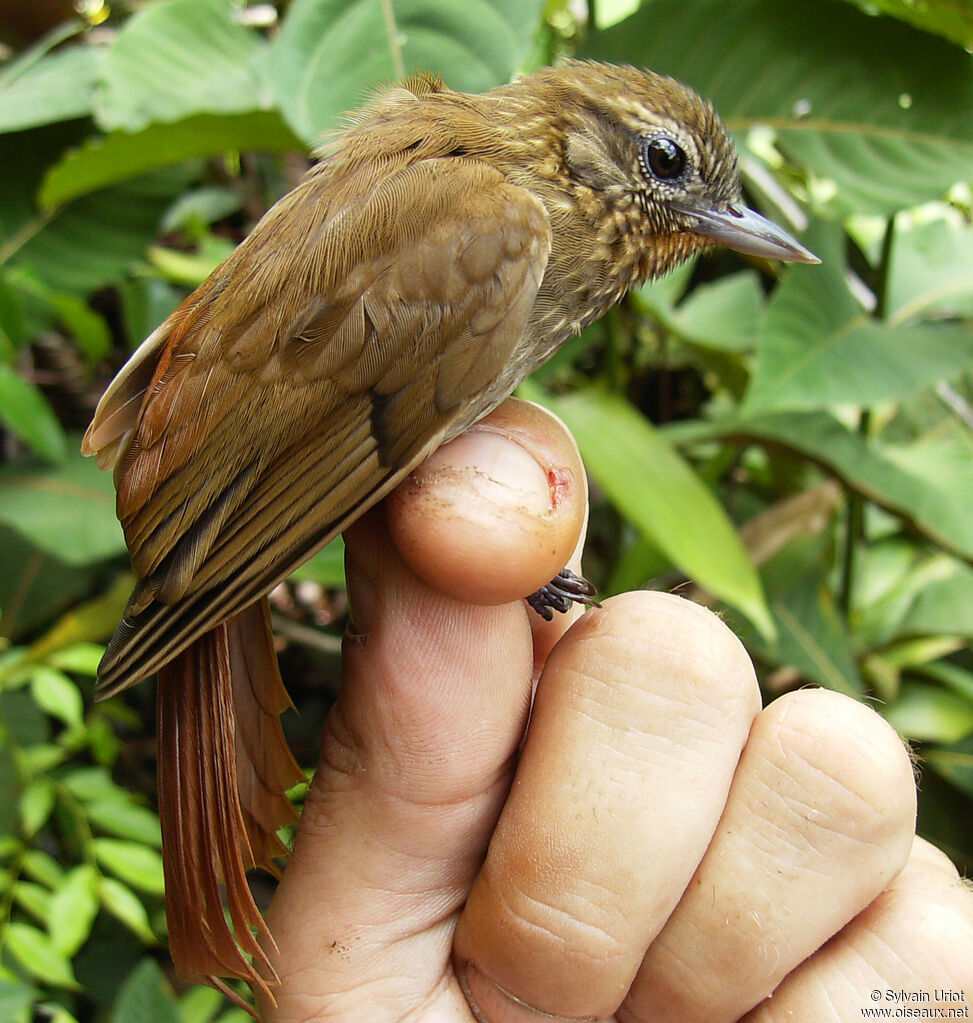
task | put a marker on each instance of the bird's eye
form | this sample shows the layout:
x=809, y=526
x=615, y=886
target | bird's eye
x=663, y=158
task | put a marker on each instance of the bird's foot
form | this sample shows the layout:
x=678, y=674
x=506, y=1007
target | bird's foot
x=565, y=589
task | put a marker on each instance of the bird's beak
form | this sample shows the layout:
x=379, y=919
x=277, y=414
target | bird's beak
x=744, y=230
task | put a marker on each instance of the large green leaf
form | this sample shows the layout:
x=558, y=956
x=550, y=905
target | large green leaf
x=955, y=764
x=175, y=59
x=724, y=315
x=73, y=909
x=123, y=155
x=331, y=54
x=931, y=503
x=930, y=714
x=16, y=998
x=94, y=240
x=68, y=510
x=25, y=411
x=146, y=997
x=38, y=956
x=35, y=585
x=944, y=17
x=57, y=88
x=930, y=269
x=819, y=348
x=662, y=496
x=811, y=634
x=135, y=864
x=87, y=243
x=890, y=132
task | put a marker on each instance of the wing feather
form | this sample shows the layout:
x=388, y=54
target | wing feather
x=259, y=434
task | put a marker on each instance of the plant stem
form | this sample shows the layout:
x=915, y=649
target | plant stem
x=854, y=533
x=392, y=31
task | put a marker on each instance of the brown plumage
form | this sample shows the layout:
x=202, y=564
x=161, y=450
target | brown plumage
x=444, y=246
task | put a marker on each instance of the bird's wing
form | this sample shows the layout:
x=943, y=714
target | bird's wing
x=366, y=319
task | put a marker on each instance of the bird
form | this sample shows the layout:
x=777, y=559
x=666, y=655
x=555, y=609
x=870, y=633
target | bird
x=443, y=246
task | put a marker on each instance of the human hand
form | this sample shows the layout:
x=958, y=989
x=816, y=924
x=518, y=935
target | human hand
x=655, y=847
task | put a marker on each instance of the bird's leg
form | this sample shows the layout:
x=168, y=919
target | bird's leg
x=565, y=589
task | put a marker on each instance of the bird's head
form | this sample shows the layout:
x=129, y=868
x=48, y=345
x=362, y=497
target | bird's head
x=661, y=162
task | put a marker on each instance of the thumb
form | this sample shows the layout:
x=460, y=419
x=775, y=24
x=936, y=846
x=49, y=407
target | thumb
x=418, y=751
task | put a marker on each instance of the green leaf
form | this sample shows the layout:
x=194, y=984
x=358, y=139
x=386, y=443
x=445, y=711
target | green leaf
x=58, y=87
x=926, y=713
x=890, y=579
x=203, y=206
x=930, y=270
x=178, y=58
x=73, y=909
x=85, y=618
x=889, y=133
x=135, y=864
x=122, y=155
x=24, y=61
x=88, y=328
x=147, y=301
x=56, y=694
x=36, y=953
x=35, y=586
x=42, y=757
x=10, y=845
x=945, y=605
x=68, y=510
x=234, y=1016
x=13, y=329
x=25, y=724
x=639, y=563
x=944, y=17
x=953, y=677
x=36, y=804
x=724, y=315
x=146, y=997
x=35, y=898
x=25, y=411
x=42, y=867
x=191, y=268
x=200, y=1004
x=94, y=240
x=930, y=505
x=81, y=658
x=55, y=1013
x=819, y=348
x=326, y=568
x=125, y=905
x=87, y=784
x=954, y=763
x=16, y=998
x=120, y=816
x=659, y=493
x=330, y=54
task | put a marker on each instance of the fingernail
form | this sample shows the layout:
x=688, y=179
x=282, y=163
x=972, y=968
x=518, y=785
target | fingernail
x=491, y=1003
x=502, y=468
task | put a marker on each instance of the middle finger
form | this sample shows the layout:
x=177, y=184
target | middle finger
x=640, y=717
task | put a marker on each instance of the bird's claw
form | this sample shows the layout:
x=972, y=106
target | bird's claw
x=564, y=590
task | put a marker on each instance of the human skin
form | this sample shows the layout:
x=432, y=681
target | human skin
x=650, y=845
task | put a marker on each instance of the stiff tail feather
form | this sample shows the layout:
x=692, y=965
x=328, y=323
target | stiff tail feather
x=224, y=767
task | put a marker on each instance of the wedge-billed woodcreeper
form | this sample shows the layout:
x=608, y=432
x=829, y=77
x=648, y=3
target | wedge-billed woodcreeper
x=443, y=247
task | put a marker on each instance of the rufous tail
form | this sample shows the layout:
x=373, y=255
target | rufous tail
x=224, y=769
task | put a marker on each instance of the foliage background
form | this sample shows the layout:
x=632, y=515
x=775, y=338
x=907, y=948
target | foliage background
x=793, y=445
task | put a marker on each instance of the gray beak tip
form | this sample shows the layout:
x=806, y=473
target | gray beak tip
x=745, y=230
x=803, y=255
